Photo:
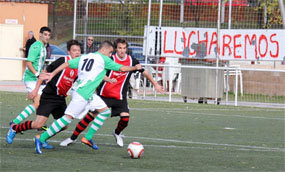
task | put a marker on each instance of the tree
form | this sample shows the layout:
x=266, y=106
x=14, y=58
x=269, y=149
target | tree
x=127, y=14
x=59, y=6
x=196, y=13
x=270, y=9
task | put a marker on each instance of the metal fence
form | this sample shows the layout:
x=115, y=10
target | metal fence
x=199, y=74
x=222, y=81
x=204, y=76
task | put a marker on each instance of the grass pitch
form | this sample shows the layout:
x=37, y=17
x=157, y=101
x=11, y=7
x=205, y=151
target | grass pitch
x=176, y=137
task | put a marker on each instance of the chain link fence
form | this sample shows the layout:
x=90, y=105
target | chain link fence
x=108, y=20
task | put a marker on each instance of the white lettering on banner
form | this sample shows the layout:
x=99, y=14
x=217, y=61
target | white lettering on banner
x=235, y=44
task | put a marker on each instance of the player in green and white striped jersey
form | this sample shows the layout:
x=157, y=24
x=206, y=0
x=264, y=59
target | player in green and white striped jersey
x=34, y=65
x=92, y=69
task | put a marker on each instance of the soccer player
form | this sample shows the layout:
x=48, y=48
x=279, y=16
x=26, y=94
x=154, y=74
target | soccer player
x=115, y=95
x=52, y=100
x=92, y=69
x=34, y=65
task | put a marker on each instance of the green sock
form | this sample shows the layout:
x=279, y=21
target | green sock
x=97, y=123
x=24, y=114
x=55, y=127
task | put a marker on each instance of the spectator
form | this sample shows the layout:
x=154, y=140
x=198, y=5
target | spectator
x=30, y=41
x=91, y=47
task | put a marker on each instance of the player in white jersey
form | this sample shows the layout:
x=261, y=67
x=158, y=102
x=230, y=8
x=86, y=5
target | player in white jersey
x=115, y=94
x=92, y=69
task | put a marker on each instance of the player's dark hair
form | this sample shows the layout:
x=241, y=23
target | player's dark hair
x=120, y=40
x=106, y=44
x=72, y=42
x=44, y=28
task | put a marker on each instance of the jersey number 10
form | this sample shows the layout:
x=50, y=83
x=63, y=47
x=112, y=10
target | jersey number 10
x=88, y=63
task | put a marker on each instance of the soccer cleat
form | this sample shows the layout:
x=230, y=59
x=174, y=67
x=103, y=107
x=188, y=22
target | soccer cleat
x=67, y=142
x=11, y=134
x=119, y=139
x=11, y=123
x=38, y=144
x=45, y=145
x=43, y=128
x=89, y=143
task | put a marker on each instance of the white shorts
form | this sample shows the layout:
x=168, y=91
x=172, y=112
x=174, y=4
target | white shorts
x=78, y=106
x=31, y=85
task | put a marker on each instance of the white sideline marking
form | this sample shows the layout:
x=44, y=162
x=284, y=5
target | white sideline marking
x=167, y=146
x=159, y=146
x=229, y=128
x=258, y=148
x=220, y=109
x=199, y=113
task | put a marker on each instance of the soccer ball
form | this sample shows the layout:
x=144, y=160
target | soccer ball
x=135, y=150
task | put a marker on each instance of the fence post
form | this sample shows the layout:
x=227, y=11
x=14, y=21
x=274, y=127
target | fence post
x=147, y=44
x=228, y=63
x=230, y=14
x=85, y=24
x=74, y=19
x=236, y=86
x=227, y=83
x=281, y=5
x=218, y=53
x=182, y=11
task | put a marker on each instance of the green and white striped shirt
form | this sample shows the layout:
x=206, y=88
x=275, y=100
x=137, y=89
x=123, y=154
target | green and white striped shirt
x=37, y=55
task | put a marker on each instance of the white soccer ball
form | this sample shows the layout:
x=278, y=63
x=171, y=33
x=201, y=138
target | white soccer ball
x=135, y=150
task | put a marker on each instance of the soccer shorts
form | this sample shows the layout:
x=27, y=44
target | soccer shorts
x=31, y=85
x=117, y=106
x=78, y=105
x=51, y=104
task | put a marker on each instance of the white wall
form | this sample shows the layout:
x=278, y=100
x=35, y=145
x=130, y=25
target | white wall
x=11, y=40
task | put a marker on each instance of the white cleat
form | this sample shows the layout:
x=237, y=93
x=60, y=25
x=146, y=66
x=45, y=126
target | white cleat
x=119, y=139
x=67, y=142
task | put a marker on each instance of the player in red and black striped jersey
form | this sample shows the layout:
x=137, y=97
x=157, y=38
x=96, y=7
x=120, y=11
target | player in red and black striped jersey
x=52, y=100
x=118, y=90
x=114, y=93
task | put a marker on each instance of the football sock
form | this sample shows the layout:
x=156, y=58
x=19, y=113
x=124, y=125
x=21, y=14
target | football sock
x=82, y=125
x=22, y=126
x=24, y=114
x=97, y=123
x=55, y=127
x=122, y=124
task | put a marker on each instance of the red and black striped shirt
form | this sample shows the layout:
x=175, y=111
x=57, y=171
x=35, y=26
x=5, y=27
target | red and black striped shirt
x=119, y=89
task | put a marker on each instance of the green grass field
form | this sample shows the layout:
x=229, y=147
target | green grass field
x=176, y=137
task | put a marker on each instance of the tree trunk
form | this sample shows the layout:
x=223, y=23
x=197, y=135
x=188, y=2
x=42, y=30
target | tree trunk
x=126, y=16
x=195, y=11
x=54, y=21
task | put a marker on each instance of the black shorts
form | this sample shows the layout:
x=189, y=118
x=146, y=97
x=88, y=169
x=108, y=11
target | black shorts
x=51, y=104
x=117, y=106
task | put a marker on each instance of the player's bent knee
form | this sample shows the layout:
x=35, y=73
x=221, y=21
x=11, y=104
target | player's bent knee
x=64, y=128
x=104, y=109
x=36, y=102
x=124, y=114
x=69, y=116
x=36, y=105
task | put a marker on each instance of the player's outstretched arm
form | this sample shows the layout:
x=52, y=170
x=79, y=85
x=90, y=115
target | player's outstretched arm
x=157, y=87
x=49, y=76
x=130, y=68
